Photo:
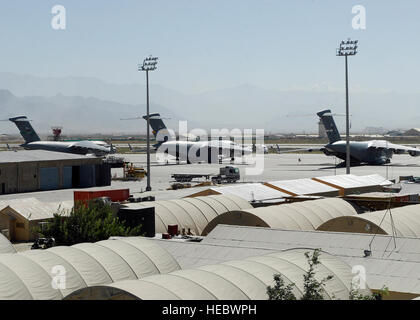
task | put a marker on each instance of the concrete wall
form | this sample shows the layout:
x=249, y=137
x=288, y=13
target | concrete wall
x=8, y=178
x=28, y=176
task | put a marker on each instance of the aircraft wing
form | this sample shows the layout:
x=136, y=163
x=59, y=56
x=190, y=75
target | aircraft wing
x=395, y=148
x=301, y=150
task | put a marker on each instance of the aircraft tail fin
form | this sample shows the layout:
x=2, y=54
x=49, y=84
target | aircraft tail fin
x=329, y=124
x=156, y=123
x=28, y=133
x=159, y=129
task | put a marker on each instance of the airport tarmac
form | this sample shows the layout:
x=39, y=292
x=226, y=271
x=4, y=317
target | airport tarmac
x=280, y=167
x=276, y=167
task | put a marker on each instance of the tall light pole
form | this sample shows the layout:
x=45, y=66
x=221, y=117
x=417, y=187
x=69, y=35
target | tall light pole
x=347, y=48
x=149, y=64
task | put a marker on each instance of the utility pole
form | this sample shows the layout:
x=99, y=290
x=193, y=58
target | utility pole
x=149, y=64
x=347, y=48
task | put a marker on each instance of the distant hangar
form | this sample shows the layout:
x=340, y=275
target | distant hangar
x=38, y=170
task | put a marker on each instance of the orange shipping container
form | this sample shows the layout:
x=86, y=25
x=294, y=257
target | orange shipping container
x=117, y=195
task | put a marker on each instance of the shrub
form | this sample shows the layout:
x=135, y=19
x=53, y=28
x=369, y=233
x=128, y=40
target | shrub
x=280, y=291
x=89, y=222
x=313, y=289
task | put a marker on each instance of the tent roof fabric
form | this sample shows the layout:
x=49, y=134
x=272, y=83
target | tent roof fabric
x=397, y=268
x=32, y=209
x=251, y=191
x=406, y=222
x=192, y=213
x=29, y=274
x=348, y=181
x=233, y=280
x=304, y=186
x=306, y=215
x=5, y=245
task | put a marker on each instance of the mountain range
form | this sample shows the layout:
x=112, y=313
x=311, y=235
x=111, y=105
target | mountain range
x=84, y=104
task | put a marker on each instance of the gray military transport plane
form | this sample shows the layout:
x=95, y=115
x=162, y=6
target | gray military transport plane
x=33, y=142
x=373, y=152
x=200, y=151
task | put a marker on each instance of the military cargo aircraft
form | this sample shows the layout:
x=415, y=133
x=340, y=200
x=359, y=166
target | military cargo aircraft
x=373, y=152
x=193, y=151
x=33, y=142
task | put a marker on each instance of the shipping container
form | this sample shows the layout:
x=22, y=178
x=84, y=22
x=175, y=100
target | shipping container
x=117, y=195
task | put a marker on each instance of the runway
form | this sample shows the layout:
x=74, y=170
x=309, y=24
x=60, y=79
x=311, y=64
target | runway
x=276, y=167
x=279, y=167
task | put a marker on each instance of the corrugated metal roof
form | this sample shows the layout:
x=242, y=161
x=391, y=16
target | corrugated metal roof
x=375, y=195
x=377, y=179
x=33, y=209
x=304, y=186
x=348, y=181
x=251, y=191
x=39, y=155
x=195, y=254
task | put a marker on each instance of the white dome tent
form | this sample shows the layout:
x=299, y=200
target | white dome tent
x=306, y=215
x=29, y=275
x=233, y=280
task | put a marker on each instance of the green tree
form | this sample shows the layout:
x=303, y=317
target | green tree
x=313, y=289
x=89, y=222
x=280, y=291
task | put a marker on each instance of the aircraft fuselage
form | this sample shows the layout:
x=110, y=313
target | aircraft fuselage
x=360, y=152
x=206, y=151
x=66, y=147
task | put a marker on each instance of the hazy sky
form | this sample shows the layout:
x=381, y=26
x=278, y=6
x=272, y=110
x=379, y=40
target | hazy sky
x=213, y=44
